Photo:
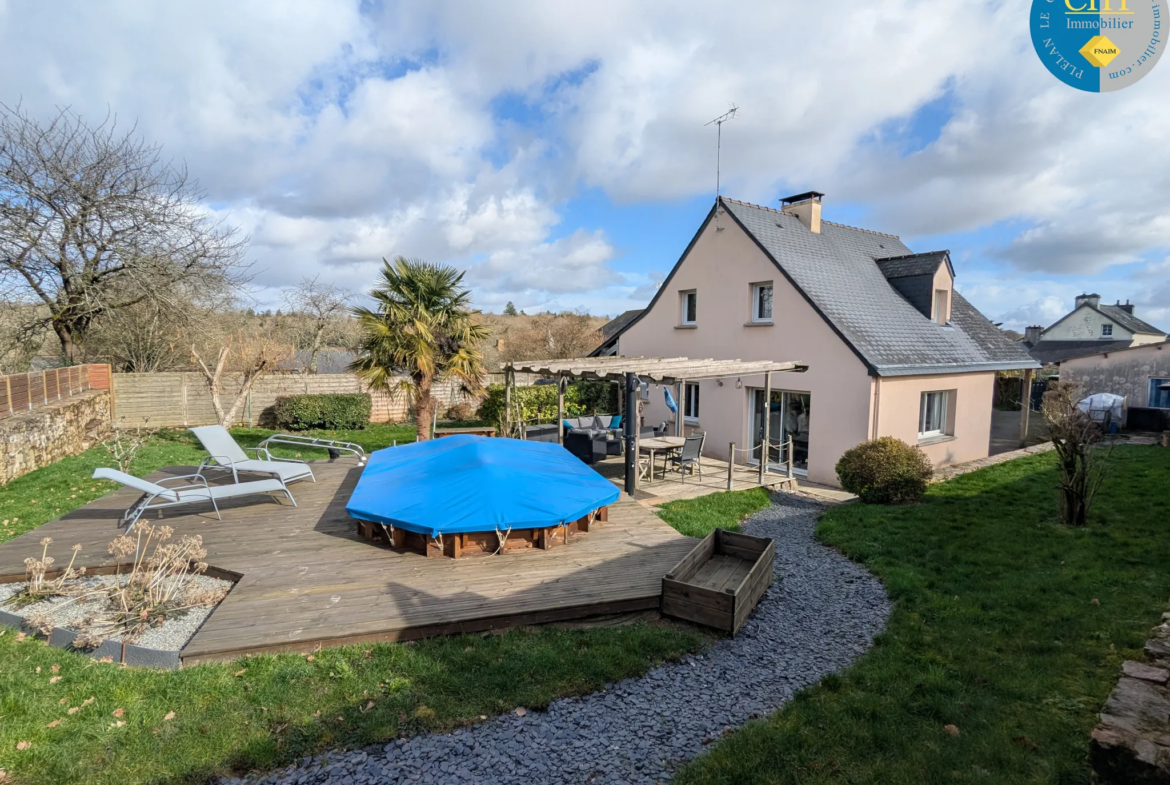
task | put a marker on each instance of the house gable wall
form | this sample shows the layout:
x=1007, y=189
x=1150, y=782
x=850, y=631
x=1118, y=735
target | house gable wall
x=1084, y=324
x=721, y=267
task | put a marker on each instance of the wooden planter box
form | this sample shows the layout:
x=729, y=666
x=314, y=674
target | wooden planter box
x=719, y=582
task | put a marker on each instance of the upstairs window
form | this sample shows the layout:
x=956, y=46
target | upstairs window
x=762, y=302
x=691, y=402
x=688, y=307
x=1106, y=331
x=941, y=298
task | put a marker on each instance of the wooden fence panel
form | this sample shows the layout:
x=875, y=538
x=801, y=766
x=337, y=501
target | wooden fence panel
x=22, y=392
x=20, y=396
x=183, y=400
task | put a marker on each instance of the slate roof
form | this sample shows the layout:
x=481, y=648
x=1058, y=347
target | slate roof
x=912, y=264
x=1128, y=320
x=837, y=272
x=617, y=325
x=1054, y=352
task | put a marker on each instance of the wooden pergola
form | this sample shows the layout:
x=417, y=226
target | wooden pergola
x=635, y=372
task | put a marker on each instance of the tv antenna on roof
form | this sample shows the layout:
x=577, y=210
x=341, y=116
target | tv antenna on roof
x=718, y=123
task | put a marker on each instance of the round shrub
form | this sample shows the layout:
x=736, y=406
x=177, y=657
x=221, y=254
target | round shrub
x=885, y=471
x=332, y=411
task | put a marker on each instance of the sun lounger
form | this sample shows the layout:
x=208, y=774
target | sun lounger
x=156, y=495
x=225, y=454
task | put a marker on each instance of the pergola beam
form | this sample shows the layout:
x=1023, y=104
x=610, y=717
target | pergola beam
x=659, y=370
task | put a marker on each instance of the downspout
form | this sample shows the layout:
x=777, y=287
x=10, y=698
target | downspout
x=877, y=400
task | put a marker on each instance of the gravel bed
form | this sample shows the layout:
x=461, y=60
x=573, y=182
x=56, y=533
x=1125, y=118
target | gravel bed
x=820, y=614
x=172, y=635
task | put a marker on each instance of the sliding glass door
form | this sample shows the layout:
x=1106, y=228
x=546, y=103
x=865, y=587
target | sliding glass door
x=788, y=414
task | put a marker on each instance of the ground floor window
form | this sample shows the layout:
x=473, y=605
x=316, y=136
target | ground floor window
x=788, y=416
x=932, y=414
x=691, y=402
x=1159, y=397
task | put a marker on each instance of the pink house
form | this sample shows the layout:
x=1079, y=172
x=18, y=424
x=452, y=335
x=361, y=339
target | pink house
x=892, y=348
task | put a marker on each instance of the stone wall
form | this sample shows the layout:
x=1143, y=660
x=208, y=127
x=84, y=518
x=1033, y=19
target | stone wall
x=1131, y=744
x=34, y=439
x=1125, y=372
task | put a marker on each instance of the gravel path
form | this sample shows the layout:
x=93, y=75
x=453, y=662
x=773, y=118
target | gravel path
x=820, y=614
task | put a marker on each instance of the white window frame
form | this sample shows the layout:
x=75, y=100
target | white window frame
x=682, y=307
x=690, y=403
x=757, y=288
x=942, y=396
x=940, y=309
x=1106, y=331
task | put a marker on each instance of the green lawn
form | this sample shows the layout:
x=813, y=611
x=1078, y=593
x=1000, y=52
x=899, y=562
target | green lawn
x=1006, y=625
x=49, y=493
x=699, y=517
x=263, y=712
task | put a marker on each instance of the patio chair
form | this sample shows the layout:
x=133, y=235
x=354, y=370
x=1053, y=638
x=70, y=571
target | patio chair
x=689, y=457
x=196, y=491
x=225, y=454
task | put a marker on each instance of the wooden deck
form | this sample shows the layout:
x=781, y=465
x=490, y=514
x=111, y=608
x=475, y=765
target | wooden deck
x=674, y=486
x=307, y=579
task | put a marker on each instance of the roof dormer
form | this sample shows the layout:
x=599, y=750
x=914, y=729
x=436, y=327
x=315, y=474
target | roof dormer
x=926, y=280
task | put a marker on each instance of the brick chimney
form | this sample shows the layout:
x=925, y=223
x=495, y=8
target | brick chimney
x=806, y=207
x=1032, y=334
x=1125, y=307
x=1093, y=300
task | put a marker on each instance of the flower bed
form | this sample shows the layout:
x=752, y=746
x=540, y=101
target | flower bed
x=141, y=613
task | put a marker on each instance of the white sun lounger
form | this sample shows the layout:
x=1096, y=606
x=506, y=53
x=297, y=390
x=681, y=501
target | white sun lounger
x=226, y=454
x=157, y=495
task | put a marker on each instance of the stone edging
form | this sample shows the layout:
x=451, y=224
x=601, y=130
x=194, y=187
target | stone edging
x=109, y=650
x=1131, y=744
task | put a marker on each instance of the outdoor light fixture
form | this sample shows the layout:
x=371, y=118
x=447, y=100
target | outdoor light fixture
x=738, y=383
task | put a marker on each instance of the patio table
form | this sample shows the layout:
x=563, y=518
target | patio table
x=659, y=444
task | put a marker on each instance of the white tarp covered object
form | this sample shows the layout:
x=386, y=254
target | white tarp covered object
x=1096, y=405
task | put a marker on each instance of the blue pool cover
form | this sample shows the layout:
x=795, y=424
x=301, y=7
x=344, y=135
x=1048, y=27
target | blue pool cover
x=474, y=483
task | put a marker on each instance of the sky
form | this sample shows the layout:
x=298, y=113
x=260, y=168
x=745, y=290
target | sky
x=560, y=152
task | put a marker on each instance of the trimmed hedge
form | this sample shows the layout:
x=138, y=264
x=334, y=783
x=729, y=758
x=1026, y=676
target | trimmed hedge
x=331, y=411
x=538, y=402
x=885, y=471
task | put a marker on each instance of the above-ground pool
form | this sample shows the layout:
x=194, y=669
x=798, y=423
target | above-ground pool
x=470, y=494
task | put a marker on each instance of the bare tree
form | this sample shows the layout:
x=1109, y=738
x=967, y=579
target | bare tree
x=1075, y=438
x=251, y=356
x=323, y=306
x=549, y=336
x=93, y=220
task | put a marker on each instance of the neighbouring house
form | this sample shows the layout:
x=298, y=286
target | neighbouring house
x=1089, y=328
x=892, y=347
x=1141, y=373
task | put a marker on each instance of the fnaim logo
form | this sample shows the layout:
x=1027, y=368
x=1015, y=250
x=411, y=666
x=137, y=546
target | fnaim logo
x=1098, y=45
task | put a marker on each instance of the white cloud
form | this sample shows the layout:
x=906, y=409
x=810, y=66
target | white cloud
x=340, y=132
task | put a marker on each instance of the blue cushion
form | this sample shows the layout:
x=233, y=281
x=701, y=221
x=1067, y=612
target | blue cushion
x=615, y=421
x=568, y=425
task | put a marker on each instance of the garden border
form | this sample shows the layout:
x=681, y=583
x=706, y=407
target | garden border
x=118, y=652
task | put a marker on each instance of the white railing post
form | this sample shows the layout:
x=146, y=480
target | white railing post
x=730, y=464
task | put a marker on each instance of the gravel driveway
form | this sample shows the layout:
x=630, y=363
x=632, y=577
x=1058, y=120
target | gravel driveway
x=820, y=614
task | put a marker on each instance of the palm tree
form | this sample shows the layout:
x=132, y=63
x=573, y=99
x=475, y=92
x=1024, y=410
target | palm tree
x=420, y=332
